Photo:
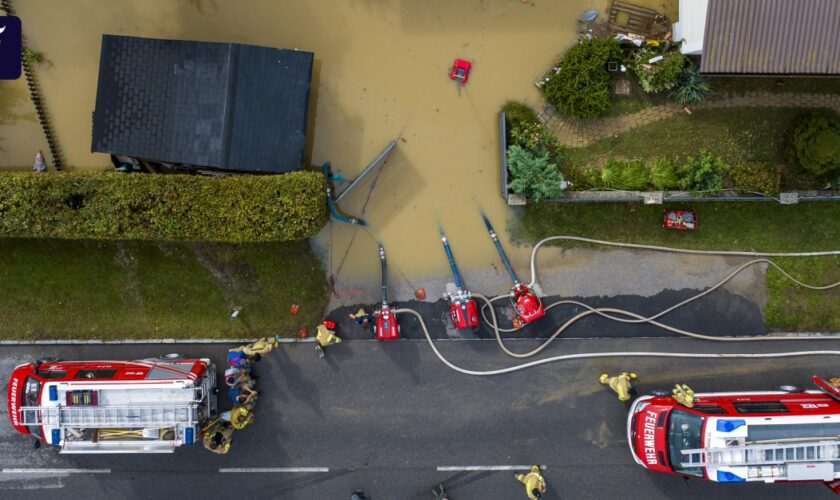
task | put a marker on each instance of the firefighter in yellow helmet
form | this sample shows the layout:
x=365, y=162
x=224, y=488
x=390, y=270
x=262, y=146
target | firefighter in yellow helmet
x=262, y=346
x=218, y=436
x=620, y=384
x=533, y=481
x=325, y=337
x=239, y=417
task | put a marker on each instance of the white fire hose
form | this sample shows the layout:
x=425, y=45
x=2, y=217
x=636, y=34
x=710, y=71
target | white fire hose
x=631, y=317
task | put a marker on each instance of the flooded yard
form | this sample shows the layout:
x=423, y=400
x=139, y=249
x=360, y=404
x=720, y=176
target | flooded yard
x=381, y=73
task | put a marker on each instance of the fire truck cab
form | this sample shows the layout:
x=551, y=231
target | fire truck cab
x=783, y=435
x=142, y=406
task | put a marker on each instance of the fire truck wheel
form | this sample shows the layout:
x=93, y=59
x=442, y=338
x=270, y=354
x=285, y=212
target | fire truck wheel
x=660, y=392
x=788, y=388
x=170, y=356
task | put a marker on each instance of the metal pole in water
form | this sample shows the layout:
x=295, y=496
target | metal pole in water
x=381, y=156
x=452, y=265
x=384, y=270
x=499, y=248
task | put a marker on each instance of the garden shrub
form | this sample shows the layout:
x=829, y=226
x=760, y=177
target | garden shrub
x=661, y=75
x=663, y=174
x=756, y=177
x=583, y=178
x=691, y=86
x=534, y=137
x=526, y=130
x=632, y=175
x=702, y=173
x=162, y=207
x=532, y=174
x=518, y=112
x=582, y=86
x=816, y=142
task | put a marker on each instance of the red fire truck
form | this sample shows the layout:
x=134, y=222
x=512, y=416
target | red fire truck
x=782, y=435
x=143, y=406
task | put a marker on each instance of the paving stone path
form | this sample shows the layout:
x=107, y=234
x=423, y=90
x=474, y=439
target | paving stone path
x=581, y=132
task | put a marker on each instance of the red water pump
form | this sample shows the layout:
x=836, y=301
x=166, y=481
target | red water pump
x=525, y=302
x=463, y=310
x=386, y=326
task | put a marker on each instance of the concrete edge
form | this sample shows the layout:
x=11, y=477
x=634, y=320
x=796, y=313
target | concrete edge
x=802, y=335
x=144, y=341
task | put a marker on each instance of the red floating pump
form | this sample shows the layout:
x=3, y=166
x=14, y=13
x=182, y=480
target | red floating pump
x=463, y=310
x=386, y=326
x=460, y=71
x=525, y=302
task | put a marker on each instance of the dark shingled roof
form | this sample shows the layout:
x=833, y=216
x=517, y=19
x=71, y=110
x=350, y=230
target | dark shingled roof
x=772, y=37
x=218, y=105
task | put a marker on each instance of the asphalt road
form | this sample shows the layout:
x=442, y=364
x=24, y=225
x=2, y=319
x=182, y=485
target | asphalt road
x=386, y=417
x=720, y=313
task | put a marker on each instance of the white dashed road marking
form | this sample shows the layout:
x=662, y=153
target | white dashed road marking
x=55, y=471
x=275, y=470
x=461, y=468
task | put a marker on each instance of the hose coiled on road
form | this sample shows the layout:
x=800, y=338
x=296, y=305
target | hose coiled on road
x=631, y=317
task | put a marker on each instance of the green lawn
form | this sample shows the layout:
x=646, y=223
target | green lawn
x=725, y=226
x=742, y=84
x=57, y=289
x=738, y=135
x=627, y=105
x=721, y=86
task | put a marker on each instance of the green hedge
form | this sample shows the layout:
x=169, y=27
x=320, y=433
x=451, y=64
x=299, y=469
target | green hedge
x=162, y=207
x=582, y=86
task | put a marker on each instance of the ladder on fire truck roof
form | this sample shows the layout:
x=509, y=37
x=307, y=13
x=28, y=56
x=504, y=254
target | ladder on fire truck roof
x=182, y=409
x=763, y=454
x=110, y=416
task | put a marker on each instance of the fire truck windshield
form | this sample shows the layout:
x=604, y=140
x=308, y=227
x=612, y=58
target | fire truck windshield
x=684, y=431
x=30, y=398
x=31, y=391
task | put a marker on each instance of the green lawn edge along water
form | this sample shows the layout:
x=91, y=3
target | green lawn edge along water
x=112, y=290
x=750, y=226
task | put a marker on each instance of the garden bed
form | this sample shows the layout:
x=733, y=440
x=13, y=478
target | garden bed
x=750, y=150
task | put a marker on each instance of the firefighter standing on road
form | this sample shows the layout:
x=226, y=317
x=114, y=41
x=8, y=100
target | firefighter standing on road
x=533, y=481
x=440, y=493
x=325, y=336
x=262, y=346
x=239, y=417
x=218, y=437
x=620, y=384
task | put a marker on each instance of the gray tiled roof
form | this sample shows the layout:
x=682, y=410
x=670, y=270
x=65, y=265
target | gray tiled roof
x=218, y=105
x=774, y=37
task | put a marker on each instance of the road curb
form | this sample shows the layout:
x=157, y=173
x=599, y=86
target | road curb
x=798, y=335
x=145, y=341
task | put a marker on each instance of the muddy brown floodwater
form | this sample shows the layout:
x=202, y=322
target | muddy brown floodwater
x=381, y=73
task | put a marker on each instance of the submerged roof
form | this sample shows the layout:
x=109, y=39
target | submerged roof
x=218, y=105
x=773, y=37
